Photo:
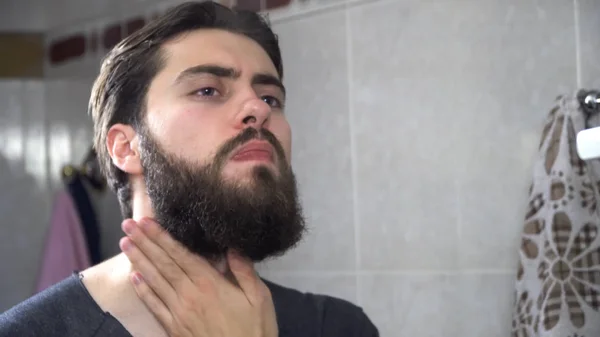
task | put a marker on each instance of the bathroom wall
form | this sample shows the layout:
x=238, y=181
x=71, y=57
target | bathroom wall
x=23, y=16
x=25, y=198
x=415, y=128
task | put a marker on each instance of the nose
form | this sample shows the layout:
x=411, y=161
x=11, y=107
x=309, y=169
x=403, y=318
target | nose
x=254, y=113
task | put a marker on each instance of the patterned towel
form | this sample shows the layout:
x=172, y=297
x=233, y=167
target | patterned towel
x=558, y=280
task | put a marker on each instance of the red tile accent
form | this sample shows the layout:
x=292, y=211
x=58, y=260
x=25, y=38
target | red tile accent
x=112, y=35
x=133, y=25
x=74, y=46
x=249, y=5
x=66, y=49
x=271, y=4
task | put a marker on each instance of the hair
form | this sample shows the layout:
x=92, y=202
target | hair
x=119, y=92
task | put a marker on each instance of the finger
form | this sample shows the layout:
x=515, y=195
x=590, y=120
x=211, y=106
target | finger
x=152, y=302
x=192, y=264
x=166, y=266
x=243, y=270
x=154, y=279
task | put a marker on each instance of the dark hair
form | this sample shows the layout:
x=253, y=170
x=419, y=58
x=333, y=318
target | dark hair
x=119, y=92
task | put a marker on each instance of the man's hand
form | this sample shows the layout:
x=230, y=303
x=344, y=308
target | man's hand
x=188, y=296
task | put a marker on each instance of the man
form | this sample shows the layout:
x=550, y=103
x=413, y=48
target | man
x=190, y=131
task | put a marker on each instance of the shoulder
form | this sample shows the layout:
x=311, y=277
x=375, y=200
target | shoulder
x=63, y=310
x=307, y=314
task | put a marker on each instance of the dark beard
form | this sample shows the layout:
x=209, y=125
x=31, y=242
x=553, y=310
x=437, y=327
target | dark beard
x=259, y=219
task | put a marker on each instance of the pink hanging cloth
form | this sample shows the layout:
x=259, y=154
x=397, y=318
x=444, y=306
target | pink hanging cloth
x=66, y=248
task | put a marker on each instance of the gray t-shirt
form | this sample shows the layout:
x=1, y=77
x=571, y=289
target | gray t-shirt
x=68, y=310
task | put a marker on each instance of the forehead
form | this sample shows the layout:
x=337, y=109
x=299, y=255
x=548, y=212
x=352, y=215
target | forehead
x=218, y=47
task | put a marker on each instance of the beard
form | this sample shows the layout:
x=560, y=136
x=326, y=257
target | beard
x=258, y=217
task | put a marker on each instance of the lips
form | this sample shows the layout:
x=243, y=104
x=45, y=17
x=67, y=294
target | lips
x=254, y=150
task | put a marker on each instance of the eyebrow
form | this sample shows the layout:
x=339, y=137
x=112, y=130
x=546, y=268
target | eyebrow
x=230, y=73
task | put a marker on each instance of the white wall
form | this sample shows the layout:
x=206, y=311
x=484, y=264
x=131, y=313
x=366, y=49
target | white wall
x=24, y=194
x=43, y=126
x=46, y=15
x=22, y=15
x=415, y=128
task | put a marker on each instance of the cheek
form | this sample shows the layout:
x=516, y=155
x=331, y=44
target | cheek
x=183, y=133
x=282, y=130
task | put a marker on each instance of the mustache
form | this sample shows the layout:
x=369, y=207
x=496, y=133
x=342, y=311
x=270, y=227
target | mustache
x=245, y=136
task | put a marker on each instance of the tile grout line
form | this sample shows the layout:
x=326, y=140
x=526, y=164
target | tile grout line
x=304, y=12
x=96, y=23
x=353, y=159
x=276, y=15
x=577, y=43
x=120, y=16
x=364, y=272
x=459, y=219
x=459, y=215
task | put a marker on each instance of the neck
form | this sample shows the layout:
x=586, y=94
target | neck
x=109, y=284
x=140, y=201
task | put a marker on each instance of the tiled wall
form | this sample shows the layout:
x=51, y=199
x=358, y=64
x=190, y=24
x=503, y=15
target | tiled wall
x=24, y=196
x=415, y=128
x=23, y=15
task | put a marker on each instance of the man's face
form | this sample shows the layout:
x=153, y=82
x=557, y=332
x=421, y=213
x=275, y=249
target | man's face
x=215, y=148
x=213, y=85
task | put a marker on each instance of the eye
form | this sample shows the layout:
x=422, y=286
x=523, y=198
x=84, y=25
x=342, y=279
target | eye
x=207, y=91
x=272, y=102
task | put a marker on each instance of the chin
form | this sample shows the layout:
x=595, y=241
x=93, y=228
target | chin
x=249, y=171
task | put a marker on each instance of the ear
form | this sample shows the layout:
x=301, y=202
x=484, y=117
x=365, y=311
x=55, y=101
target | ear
x=123, y=147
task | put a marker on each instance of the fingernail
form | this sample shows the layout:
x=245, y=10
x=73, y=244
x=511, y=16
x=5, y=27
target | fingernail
x=236, y=255
x=125, y=244
x=232, y=254
x=137, y=279
x=235, y=259
x=128, y=227
x=144, y=223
